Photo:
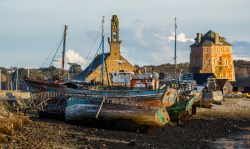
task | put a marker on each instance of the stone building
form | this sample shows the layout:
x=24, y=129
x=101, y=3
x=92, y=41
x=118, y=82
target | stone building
x=114, y=61
x=211, y=53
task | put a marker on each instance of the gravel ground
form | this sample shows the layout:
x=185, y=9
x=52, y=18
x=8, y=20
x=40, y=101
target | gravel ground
x=223, y=126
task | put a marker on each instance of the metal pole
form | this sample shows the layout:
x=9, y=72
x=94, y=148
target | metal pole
x=11, y=85
x=17, y=81
x=103, y=50
x=28, y=75
x=0, y=79
x=175, y=63
x=28, y=71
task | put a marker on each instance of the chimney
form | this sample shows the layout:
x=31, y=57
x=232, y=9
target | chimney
x=198, y=38
x=217, y=38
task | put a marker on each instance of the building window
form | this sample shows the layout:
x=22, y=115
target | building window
x=214, y=62
x=209, y=62
x=226, y=62
x=220, y=59
x=221, y=76
x=227, y=76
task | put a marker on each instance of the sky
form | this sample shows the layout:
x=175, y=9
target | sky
x=30, y=30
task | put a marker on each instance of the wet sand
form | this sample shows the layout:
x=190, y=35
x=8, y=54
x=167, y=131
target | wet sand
x=207, y=129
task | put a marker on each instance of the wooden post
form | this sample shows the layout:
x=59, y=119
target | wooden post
x=99, y=110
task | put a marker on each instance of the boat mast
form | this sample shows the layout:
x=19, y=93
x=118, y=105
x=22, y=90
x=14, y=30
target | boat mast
x=175, y=69
x=63, y=51
x=102, y=50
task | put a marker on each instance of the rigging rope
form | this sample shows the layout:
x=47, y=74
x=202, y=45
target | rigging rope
x=93, y=61
x=52, y=51
x=56, y=51
x=92, y=46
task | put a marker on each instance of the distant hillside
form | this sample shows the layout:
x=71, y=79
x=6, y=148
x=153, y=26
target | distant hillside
x=168, y=68
x=242, y=68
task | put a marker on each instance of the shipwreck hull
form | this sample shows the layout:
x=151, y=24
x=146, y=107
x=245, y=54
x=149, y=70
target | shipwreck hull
x=119, y=93
x=184, y=108
x=82, y=109
x=39, y=86
x=47, y=98
x=143, y=110
x=211, y=97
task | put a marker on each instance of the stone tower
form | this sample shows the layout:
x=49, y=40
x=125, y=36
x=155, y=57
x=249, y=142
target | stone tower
x=211, y=53
x=115, y=41
x=114, y=61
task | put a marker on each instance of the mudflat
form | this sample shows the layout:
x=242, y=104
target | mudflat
x=218, y=127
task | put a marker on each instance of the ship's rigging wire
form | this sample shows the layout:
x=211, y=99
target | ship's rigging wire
x=52, y=51
x=90, y=65
x=93, y=44
x=56, y=52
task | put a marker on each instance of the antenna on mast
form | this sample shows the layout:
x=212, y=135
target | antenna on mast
x=175, y=58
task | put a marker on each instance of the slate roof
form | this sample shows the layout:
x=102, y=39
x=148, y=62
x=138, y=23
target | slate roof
x=92, y=66
x=201, y=78
x=221, y=82
x=209, y=39
x=242, y=83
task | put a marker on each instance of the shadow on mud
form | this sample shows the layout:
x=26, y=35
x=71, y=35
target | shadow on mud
x=119, y=125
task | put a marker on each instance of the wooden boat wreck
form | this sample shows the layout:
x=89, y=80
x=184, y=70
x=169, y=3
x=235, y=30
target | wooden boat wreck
x=139, y=110
x=48, y=94
x=187, y=98
x=138, y=103
x=183, y=108
x=211, y=94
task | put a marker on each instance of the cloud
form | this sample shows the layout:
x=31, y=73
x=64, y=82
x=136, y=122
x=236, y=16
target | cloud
x=74, y=57
x=180, y=37
x=146, y=45
x=241, y=57
x=241, y=50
